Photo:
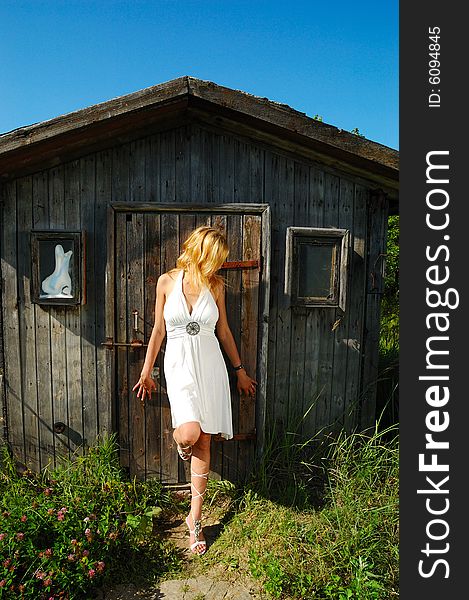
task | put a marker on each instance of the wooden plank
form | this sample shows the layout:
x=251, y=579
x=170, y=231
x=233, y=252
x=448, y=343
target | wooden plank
x=263, y=334
x=215, y=141
x=256, y=173
x=12, y=342
x=27, y=329
x=272, y=196
x=225, y=170
x=77, y=371
x=377, y=233
x=357, y=307
x=88, y=313
x=167, y=149
x=40, y=205
x=135, y=357
x=169, y=254
x=57, y=333
x=312, y=391
x=326, y=317
x=342, y=319
x=284, y=217
x=136, y=301
x=298, y=320
x=233, y=309
x=183, y=164
x=152, y=270
x=122, y=335
x=121, y=173
x=252, y=227
x=209, y=152
x=179, y=207
x=152, y=169
x=241, y=171
x=200, y=169
x=103, y=310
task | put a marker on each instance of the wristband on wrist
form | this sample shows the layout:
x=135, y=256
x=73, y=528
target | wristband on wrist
x=239, y=367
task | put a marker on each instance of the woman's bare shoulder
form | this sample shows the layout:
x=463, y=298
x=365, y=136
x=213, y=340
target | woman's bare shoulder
x=166, y=280
x=218, y=287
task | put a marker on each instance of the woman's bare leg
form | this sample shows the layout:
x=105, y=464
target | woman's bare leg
x=200, y=467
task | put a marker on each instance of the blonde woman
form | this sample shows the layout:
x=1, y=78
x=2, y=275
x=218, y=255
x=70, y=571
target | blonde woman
x=190, y=304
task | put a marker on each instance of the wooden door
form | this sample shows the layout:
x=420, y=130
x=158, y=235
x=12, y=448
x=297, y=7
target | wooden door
x=146, y=240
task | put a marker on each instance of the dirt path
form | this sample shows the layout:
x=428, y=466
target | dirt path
x=192, y=585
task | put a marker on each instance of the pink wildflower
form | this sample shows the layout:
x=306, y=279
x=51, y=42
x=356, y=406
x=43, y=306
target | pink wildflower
x=60, y=516
x=20, y=536
x=47, y=582
x=71, y=557
x=48, y=552
x=2, y=583
x=86, y=552
x=74, y=542
x=7, y=562
x=48, y=491
x=91, y=573
x=50, y=511
x=86, y=519
x=39, y=574
x=87, y=531
x=24, y=518
x=100, y=566
x=2, y=536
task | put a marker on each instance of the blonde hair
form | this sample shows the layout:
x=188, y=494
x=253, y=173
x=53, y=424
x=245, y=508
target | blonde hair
x=203, y=253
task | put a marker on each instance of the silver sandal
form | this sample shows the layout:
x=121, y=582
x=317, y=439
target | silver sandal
x=197, y=522
x=185, y=452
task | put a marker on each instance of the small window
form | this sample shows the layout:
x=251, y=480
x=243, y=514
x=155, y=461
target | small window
x=316, y=266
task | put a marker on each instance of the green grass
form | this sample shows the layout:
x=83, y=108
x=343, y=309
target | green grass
x=318, y=519
x=346, y=547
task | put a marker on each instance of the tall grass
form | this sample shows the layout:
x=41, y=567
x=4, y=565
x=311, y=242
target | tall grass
x=338, y=541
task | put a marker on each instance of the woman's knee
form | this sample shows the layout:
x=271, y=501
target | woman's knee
x=204, y=440
x=189, y=433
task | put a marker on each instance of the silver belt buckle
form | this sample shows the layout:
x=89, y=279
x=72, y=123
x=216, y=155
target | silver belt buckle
x=193, y=328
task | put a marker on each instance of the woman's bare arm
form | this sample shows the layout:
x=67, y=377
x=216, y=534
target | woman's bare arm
x=246, y=385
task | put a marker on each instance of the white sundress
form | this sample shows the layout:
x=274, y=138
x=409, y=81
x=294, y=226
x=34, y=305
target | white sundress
x=196, y=377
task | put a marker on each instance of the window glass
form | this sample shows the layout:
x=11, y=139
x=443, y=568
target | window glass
x=315, y=276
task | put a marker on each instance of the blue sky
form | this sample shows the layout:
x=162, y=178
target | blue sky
x=337, y=59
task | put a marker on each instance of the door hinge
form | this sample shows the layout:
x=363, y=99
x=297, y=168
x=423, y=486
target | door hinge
x=134, y=344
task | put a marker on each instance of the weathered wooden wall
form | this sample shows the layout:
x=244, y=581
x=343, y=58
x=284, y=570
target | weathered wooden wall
x=56, y=369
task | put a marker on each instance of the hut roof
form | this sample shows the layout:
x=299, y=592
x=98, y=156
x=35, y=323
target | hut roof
x=32, y=147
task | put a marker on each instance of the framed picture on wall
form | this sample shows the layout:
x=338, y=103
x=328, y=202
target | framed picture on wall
x=57, y=267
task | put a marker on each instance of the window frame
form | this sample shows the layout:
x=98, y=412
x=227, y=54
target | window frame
x=339, y=239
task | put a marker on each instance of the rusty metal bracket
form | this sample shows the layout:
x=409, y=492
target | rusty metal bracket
x=110, y=344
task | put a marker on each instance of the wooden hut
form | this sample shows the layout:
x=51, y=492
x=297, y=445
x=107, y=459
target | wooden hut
x=116, y=187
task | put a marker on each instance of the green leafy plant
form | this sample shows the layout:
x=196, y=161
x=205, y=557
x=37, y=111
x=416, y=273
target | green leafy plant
x=67, y=530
